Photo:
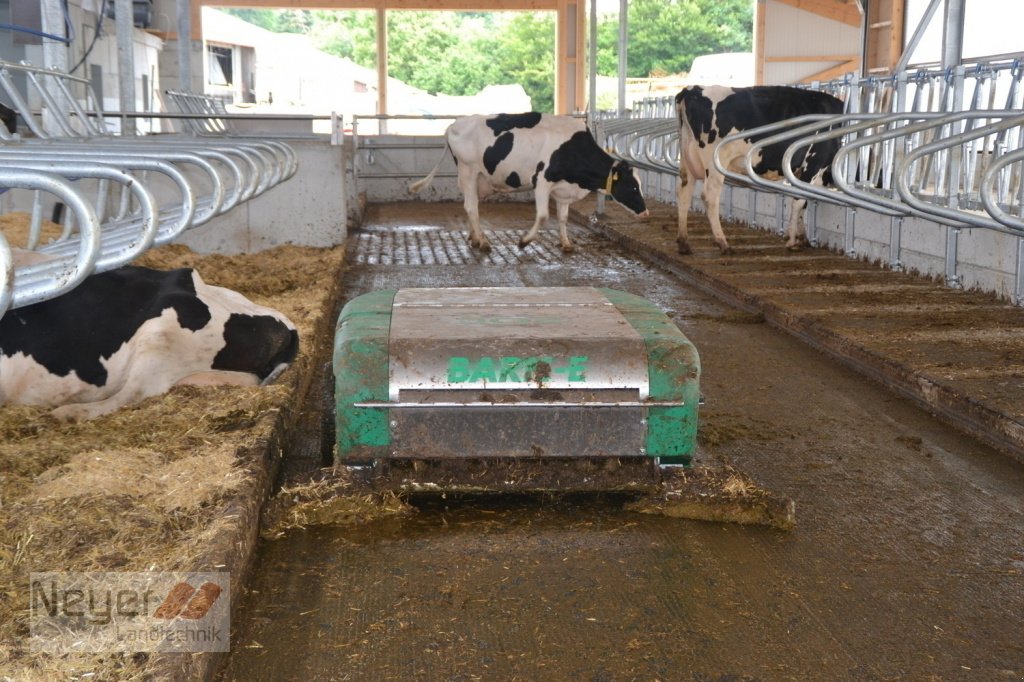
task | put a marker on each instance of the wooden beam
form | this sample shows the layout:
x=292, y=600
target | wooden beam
x=445, y=5
x=837, y=10
x=896, y=32
x=814, y=58
x=833, y=71
x=759, y=36
x=382, y=66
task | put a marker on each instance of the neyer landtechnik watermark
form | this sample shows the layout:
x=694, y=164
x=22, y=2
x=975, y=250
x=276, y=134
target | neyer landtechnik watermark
x=129, y=612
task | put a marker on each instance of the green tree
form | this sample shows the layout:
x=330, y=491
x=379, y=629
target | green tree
x=459, y=53
x=276, y=20
x=351, y=34
x=666, y=35
x=525, y=54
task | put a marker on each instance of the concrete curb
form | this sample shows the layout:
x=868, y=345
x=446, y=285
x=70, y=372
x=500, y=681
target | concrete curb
x=993, y=427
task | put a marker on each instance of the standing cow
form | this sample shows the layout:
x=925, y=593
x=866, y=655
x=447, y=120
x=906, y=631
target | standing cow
x=133, y=332
x=556, y=156
x=708, y=114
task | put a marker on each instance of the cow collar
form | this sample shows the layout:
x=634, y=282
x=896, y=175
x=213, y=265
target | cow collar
x=608, y=183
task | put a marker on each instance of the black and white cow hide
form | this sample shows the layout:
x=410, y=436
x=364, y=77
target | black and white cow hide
x=556, y=156
x=131, y=333
x=709, y=113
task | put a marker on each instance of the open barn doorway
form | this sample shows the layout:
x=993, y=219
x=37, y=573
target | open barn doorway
x=438, y=63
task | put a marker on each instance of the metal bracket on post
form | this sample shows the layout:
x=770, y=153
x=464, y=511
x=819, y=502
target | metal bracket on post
x=752, y=211
x=811, y=223
x=728, y=202
x=851, y=223
x=780, y=214
x=895, y=235
x=1019, y=289
x=337, y=129
x=601, y=141
x=953, y=280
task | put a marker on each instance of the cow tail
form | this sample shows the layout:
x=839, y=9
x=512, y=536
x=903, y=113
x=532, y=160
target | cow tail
x=425, y=182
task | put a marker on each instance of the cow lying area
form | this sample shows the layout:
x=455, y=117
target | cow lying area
x=173, y=482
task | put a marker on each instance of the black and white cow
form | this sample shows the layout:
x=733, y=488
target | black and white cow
x=556, y=156
x=709, y=113
x=133, y=332
x=9, y=117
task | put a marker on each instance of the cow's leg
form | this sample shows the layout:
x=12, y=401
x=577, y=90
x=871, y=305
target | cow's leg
x=797, y=237
x=132, y=391
x=563, y=230
x=684, y=195
x=712, y=199
x=541, y=194
x=471, y=202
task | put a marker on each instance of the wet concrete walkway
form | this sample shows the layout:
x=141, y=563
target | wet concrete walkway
x=958, y=353
x=907, y=561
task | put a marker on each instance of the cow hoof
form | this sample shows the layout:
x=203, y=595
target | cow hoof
x=523, y=244
x=795, y=247
x=725, y=250
x=684, y=247
x=568, y=248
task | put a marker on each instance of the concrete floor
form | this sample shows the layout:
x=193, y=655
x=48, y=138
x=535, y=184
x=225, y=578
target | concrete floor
x=907, y=561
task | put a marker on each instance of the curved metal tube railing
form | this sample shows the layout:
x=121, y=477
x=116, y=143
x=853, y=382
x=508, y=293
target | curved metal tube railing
x=947, y=214
x=60, y=273
x=942, y=145
x=125, y=193
x=988, y=190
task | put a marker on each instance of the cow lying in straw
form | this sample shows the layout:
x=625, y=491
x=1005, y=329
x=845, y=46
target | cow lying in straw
x=134, y=332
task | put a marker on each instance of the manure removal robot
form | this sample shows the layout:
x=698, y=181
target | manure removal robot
x=519, y=389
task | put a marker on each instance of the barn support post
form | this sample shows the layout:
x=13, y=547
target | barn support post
x=811, y=222
x=953, y=33
x=382, y=68
x=849, y=233
x=728, y=202
x=895, y=234
x=601, y=139
x=55, y=53
x=623, y=29
x=124, y=21
x=184, y=16
x=592, y=75
x=953, y=280
x=570, y=45
x=752, y=210
x=1018, y=295
x=780, y=214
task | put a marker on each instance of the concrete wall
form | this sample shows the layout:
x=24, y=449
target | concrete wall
x=406, y=159
x=310, y=209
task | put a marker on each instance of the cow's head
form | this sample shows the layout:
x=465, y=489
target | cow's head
x=263, y=345
x=624, y=187
x=257, y=340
